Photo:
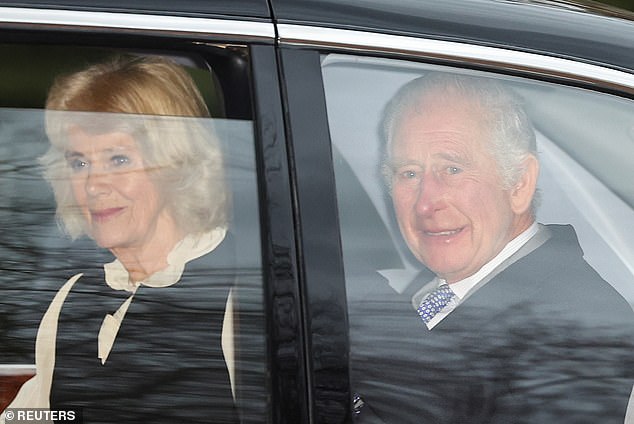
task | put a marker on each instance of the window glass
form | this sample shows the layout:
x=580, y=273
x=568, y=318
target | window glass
x=437, y=183
x=129, y=199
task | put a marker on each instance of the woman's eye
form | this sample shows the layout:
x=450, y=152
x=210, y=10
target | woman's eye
x=77, y=164
x=119, y=160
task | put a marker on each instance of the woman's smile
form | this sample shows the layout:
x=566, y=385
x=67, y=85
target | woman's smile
x=103, y=215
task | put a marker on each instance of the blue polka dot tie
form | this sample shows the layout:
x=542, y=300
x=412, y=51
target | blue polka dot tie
x=435, y=302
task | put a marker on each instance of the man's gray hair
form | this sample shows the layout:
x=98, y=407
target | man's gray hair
x=512, y=134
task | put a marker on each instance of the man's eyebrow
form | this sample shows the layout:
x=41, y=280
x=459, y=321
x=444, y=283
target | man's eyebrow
x=454, y=157
x=449, y=156
x=401, y=162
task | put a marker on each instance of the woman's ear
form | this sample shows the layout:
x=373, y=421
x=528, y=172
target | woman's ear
x=523, y=192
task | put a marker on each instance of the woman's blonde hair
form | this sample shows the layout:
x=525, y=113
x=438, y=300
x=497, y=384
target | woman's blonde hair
x=157, y=103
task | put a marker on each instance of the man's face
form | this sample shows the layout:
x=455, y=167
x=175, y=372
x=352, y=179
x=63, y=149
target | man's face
x=451, y=206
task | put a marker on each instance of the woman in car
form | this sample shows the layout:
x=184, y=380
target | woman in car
x=132, y=167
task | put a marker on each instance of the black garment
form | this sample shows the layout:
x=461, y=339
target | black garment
x=166, y=364
x=546, y=340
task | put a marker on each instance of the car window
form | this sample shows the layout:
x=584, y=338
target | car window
x=410, y=184
x=87, y=177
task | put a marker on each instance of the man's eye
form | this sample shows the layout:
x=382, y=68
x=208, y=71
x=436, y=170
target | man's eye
x=407, y=174
x=453, y=170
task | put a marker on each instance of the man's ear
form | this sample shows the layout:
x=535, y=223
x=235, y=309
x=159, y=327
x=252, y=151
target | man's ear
x=523, y=192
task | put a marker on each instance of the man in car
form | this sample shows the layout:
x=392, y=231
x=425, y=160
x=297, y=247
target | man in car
x=514, y=325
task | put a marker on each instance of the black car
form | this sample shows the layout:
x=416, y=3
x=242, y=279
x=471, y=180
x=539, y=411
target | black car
x=296, y=90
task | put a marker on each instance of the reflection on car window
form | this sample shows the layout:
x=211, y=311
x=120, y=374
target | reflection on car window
x=131, y=240
x=486, y=245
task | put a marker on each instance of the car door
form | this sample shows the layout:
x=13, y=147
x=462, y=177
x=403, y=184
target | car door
x=228, y=49
x=341, y=67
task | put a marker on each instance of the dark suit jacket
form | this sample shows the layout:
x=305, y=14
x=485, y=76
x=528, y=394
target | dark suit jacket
x=166, y=365
x=545, y=341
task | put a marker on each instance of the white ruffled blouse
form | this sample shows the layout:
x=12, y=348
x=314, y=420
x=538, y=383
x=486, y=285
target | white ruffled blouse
x=118, y=278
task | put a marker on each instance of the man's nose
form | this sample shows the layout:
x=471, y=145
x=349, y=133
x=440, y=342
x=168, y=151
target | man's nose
x=430, y=197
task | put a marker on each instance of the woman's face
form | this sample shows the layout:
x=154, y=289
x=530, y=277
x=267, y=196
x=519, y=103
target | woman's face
x=121, y=204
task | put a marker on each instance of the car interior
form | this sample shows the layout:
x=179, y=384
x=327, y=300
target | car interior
x=583, y=180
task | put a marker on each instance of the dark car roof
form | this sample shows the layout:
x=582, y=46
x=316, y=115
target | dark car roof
x=565, y=28
x=256, y=9
x=570, y=29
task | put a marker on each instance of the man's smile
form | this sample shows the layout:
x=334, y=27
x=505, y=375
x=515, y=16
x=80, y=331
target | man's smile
x=439, y=233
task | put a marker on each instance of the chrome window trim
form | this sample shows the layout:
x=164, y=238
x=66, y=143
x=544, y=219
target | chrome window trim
x=136, y=21
x=507, y=59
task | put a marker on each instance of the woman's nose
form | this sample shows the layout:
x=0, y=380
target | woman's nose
x=97, y=183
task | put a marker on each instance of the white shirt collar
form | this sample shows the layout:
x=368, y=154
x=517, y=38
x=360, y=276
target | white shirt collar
x=462, y=287
x=191, y=247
